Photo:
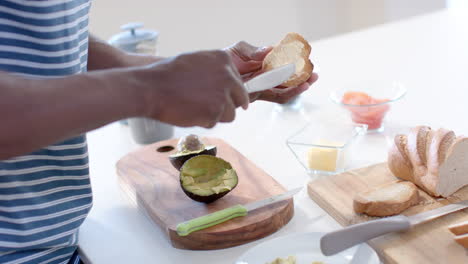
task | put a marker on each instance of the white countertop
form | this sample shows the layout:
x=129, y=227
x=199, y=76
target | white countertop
x=429, y=54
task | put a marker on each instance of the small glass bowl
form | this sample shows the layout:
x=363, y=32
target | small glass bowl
x=371, y=114
x=325, y=148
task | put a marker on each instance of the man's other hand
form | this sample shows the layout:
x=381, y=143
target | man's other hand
x=248, y=59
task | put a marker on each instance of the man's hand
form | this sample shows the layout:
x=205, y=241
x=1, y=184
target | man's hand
x=248, y=59
x=193, y=89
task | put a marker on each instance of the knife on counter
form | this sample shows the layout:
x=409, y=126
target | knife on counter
x=337, y=241
x=270, y=79
x=202, y=222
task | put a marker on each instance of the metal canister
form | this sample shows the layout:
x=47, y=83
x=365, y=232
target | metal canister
x=134, y=39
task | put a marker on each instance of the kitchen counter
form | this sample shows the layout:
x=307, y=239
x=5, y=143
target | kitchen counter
x=429, y=54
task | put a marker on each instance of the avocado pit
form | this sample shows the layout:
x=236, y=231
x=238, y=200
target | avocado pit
x=189, y=147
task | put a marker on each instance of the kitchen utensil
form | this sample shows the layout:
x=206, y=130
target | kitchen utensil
x=270, y=79
x=150, y=180
x=218, y=217
x=430, y=242
x=336, y=241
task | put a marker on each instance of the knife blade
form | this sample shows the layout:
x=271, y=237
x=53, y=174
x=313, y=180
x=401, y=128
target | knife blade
x=202, y=222
x=337, y=241
x=270, y=79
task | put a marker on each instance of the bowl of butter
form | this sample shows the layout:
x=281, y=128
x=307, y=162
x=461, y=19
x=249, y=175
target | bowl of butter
x=326, y=147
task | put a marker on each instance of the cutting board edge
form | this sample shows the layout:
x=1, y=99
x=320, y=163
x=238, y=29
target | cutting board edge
x=320, y=202
x=131, y=194
x=286, y=213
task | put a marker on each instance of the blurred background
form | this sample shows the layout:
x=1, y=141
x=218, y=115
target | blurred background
x=186, y=25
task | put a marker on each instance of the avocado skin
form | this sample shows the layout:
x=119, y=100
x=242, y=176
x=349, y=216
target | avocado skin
x=205, y=199
x=178, y=161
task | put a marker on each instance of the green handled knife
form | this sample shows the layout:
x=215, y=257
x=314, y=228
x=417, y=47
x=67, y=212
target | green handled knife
x=202, y=222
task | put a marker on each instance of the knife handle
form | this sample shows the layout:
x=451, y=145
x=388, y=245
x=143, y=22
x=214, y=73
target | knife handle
x=202, y=222
x=337, y=241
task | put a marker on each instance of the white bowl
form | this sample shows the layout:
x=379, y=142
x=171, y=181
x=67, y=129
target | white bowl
x=305, y=247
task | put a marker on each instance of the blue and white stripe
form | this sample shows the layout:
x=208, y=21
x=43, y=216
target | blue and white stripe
x=44, y=195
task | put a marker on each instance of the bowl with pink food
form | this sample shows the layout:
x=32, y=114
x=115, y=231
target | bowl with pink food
x=369, y=103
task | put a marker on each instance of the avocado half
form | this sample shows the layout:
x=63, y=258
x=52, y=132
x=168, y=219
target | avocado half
x=206, y=178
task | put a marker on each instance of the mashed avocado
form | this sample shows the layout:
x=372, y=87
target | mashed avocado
x=289, y=260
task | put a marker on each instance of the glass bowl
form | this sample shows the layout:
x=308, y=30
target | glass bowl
x=324, y=147
x=382, y=94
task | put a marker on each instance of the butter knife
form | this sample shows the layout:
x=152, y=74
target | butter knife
x=337, y=241
x=270, y=79
x=202, y=222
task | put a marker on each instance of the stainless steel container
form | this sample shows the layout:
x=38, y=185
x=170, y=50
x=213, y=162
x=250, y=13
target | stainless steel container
x=136, y=40
x=133, y=39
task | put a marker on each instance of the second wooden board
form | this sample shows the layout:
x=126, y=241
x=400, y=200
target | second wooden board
x=430, y=242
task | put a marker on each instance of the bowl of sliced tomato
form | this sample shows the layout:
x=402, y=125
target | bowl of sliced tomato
x=368, y=103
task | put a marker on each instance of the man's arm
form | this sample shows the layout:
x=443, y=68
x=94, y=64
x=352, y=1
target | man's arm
x=102, y=56
x=193, y=89
x=36, y=113
x=246, y=58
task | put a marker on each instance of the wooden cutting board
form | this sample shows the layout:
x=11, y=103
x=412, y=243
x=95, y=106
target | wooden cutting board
x=149, y=179
x=430, y=242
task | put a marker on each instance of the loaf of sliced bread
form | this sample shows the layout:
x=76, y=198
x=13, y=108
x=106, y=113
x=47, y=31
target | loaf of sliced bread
x=435, y=160
x=389, y=199
x=292, y=49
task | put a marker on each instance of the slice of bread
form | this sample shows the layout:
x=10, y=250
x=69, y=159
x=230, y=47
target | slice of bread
x=398, y=155
x=388, y=199
x=292, y=49
x=462, y=240
x=459, y=228
x=435, y=160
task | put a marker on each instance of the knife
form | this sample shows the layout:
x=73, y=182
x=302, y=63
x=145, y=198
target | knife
x=270, y=79
x=202, y=222
x=337, y=241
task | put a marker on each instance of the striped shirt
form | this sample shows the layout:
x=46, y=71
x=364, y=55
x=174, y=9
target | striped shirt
x=44, y=195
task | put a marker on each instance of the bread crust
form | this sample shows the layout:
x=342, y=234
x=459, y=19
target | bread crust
x=446, y=143
x=389, y=207
x=398, y=161
x=423, y=134
x=301, y=75
x=416, y=143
